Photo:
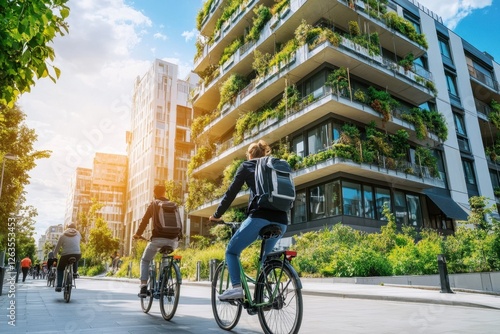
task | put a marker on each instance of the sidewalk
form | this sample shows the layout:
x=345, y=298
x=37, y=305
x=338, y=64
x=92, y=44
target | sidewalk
x=402, y=293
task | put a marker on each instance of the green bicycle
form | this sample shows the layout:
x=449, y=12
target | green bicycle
x=277, y=290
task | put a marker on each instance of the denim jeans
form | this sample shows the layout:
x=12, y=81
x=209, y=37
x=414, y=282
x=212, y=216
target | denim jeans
x=246, y=234
x=61, y=265
x=150, y=251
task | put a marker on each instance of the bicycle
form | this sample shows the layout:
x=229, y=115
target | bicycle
x=51, y=277
x=68, y=279
x=277, y=295
x=167, y=287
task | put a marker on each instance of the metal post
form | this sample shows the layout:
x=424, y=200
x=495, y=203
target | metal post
x=212, y=268
x=198, y=270
x=443, y=274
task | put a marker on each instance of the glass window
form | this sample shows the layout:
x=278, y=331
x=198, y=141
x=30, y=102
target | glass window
x=318, y=139
x=368, y=201
x=351, y=196
x=298, y=146
x=299, y=208
x=444, y=47
x=452, y=85
x=332, y=198
x=470, y=177
x=382, y=197
x=400, y=210
x=317, y=202
x=414, y=210
x=460, y=124
x=414, y=20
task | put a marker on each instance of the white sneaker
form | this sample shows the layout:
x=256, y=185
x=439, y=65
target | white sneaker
x=231, y=294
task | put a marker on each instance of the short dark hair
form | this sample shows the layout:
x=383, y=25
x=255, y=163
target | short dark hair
x=159, y=190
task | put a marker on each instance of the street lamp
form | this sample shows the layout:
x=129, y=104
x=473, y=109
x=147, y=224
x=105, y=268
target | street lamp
x=9, y=156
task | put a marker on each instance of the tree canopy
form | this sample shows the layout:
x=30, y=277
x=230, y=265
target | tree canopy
x=27, y=28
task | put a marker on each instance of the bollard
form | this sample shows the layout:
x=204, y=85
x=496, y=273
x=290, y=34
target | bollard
x=198, y=271
x=212, y=268
x=443, y=274
x=2, y=273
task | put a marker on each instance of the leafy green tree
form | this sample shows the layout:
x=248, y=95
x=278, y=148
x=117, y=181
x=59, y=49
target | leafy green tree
x=24, y=226
x=17, y=139
x=27, y=28
x=101, y=242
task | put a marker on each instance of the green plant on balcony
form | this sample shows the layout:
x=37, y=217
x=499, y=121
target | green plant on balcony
x=289, y=101
x=199, y=124
x=263, y=15
x=261, y=63
x=230, y=89
x=494, y=114
x=405, y=27
x=231, y=7
x=382, y=102
x=244, y=123
x=202, y=13
x=302, y=32
x=199, y=192
x=209, y=73
x=354, y=28
x=279, y=5
x=407, y=62
x=496, y=191
x=360, y=96
x=430, y=85
x=425, y=158
x=203, y=154
x=338, y=80
x=230, y=50
x=285, y=53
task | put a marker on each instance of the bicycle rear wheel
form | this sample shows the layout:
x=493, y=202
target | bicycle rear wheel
x=170, y=291
x=226, y=313
x=283, y=315
x=67, y=287
x=147, y=301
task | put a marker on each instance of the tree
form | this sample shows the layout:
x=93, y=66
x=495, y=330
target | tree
x=24, y=225
x=27, y=28
x=101, y=242
x=17, y=139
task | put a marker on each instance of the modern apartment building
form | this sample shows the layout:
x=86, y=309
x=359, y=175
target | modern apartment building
x=51, y=235
x=109, y=186
x=79, y=198
x=373, y=103
x=159, y=142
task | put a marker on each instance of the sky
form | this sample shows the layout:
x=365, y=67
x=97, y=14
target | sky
x=112, y=42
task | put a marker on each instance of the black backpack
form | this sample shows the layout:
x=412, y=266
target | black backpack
x=167, y=221
x=274, y=184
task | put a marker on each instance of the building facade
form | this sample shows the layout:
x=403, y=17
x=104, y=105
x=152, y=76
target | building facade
x=51, y=235
x=159, y=142
x=79, y=197
x=374, y=104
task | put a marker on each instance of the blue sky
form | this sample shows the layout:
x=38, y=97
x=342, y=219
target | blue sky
x=110, y=43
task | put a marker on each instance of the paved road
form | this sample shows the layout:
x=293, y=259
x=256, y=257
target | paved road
x=111, y=306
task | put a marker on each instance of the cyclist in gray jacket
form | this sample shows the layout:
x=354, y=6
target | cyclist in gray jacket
x=69, y=244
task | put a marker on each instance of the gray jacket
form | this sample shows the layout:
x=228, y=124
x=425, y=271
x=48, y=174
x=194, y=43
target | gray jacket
x=69, y=242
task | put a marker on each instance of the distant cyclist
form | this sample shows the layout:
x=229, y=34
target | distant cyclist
x=69, y=244
x=157, y=240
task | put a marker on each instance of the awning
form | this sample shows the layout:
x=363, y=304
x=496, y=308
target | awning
x=449, y=207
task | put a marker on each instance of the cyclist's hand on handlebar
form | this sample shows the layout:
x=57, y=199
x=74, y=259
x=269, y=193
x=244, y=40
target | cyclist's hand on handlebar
x=136, y=236
x=213, y=219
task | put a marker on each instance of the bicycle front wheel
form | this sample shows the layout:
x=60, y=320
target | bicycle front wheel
x=67, y=287
x=226, y=313
x=279, y=287
x=147, y=302
x=170, y=291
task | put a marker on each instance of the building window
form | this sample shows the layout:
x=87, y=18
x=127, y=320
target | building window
x=332, y=198
x=414, y=210
x=299, y=207
x=414, y=20
x=318, y=139
x=317, y=202
x=444, y=46
x=452, y=85
x=351, y=199
x=368, y=202
x=463, y=141
x=400, y=210
x=382, y=198
x=469, y=174
x=298, y=146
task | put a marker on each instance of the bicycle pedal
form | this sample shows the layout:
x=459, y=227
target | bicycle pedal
x=252, y=311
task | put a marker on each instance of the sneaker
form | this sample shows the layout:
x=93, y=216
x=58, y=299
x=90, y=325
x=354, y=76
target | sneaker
x=58, y=289
x=231, y=294
x=144, y=292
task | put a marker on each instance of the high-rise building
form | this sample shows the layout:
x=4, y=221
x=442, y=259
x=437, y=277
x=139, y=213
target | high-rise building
x=159, y=141
x=373, y=103
x=52, y=234
x=79, y=198
x=109, y=186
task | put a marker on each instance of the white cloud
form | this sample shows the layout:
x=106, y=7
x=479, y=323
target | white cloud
x=159, y=35
x=452, y=11
x=189, y=35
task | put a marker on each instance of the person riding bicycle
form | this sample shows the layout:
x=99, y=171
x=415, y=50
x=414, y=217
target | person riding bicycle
x=156, y=242
x=257, y=218
x=51, y=259
x=69, y=244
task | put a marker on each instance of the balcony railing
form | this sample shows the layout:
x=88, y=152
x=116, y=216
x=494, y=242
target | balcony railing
x=483, y=78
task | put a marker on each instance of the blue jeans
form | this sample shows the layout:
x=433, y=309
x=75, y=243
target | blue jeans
x=150, y=251
x=246, y=234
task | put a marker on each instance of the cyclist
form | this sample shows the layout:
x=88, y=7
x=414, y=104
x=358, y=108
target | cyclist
x=257, y=218
x=156, y=242
x=69, y=244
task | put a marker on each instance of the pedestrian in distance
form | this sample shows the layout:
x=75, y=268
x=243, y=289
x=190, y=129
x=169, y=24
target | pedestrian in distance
x=69, y=245
x=157, y=241
x=257, y=217
x=25, y=266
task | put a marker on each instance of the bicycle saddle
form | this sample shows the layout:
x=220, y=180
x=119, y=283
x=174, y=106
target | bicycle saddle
x=166, y=250
x=270, y=231
x=72, y=260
